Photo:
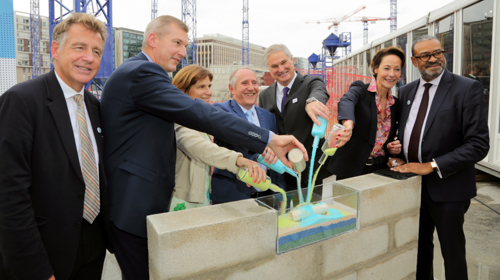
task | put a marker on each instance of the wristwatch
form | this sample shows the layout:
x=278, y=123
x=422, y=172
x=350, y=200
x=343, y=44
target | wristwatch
x=434, y=166
x=311, y=99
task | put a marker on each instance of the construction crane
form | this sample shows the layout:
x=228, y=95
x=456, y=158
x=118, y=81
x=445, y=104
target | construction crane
x=36, y=58
x=394, y=15
x=335, y=22
x=189, y=18
x=245, y=42
x=365, y=21
x=154, y=9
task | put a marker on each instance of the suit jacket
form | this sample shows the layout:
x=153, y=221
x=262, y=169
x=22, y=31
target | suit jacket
x=41, y=183
x=358, y=105
x=225, y=186
x=194, y=153
x=295, y=120
x=455, y=135
x=139, y=108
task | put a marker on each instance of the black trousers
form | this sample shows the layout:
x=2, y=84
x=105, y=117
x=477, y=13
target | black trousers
x=448, y=219
x=131, y=252
x=91, y=251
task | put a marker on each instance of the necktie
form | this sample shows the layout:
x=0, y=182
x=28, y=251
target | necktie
x=91, y=204
x=417, y=127
x=249, y=116
x=283, y=101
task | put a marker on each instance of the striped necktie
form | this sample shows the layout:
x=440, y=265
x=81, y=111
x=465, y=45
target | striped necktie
x=89, y=169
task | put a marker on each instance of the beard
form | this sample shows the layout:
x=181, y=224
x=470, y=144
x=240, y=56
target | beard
x=429, y=75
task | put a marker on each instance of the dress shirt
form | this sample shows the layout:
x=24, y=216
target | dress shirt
x=73, y=116
x=279, y=91
x=414, y=111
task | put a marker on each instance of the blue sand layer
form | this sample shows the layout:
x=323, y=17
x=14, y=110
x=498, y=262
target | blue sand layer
x=311, y=235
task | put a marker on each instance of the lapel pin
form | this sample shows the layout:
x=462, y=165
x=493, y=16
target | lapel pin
x=408, y=102
x=295, y=100
x=99, y=130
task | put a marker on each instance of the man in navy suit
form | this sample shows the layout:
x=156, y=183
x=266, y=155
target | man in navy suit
x=443, y=131
x=244, y=87
x=139, y=108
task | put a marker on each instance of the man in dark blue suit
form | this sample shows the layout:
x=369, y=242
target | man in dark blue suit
x=443, y=131
x=244, y=87
x=139, y=108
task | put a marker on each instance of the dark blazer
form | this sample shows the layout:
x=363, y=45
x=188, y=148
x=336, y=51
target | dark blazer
x=41, y=184
x=225, y=186
x=295, y=120
x=139, y=108
x=358, y=105
x=455, y=135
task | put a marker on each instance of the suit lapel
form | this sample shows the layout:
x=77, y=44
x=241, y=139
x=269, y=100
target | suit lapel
x=261, y=118
x=236, y=108
x=94, y=119
x=406, y=102
x=441, y=92
x=295, y=87
x=59, y=110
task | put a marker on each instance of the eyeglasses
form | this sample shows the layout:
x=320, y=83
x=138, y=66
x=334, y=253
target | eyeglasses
x=425, y=57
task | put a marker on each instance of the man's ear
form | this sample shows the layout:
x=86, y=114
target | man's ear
x=414, y=61
x=55, y=50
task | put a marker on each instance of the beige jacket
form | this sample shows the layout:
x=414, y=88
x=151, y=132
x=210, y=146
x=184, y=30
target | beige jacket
x=194, y=153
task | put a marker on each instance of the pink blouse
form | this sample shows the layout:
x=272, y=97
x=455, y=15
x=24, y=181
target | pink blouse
x=383, y=124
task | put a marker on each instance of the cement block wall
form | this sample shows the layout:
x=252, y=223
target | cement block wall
x=238, y=240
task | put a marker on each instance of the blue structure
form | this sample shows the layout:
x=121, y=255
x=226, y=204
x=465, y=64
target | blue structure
x=189, y=18
x=313, y=59
x=7, y=46
x=245, y=42
x=36, y=59
x=98, y=9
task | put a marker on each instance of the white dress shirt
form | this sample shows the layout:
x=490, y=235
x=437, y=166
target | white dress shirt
x=410, y=122
x=73, y=116
x=279, y=91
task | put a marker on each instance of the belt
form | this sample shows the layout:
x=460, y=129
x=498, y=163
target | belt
x=376, y=160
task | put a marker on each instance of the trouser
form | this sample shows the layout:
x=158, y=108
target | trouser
x=131, y=252
x=448, y=219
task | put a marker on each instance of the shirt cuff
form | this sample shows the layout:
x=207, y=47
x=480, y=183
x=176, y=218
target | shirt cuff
x=438, y=172
x=270, y=137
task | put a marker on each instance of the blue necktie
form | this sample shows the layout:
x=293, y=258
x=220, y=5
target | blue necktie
x=249, y=116
x=283, y=101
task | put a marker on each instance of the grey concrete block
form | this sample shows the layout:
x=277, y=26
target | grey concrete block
x=398, y=267
x=355, y=247
x=209, y=238
x=406, y=230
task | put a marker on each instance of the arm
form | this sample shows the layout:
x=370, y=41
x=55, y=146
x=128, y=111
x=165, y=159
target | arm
x=318, y=108
x=22, y=250
x=346, y=111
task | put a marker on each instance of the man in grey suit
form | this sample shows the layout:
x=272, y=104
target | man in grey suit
x=296, y=101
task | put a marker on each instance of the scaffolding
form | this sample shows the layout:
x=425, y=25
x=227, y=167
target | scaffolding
x=189, y=18
x=245, y=42
x=36, y=59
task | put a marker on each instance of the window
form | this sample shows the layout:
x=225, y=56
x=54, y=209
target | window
x=444, y=32
x=477, y=43
x=29, y=77
x=24, y=70
x=24, y=77
x=388, y=44
x=416, y=34
x=401, y=42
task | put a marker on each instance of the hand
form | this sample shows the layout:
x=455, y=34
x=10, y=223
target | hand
x=282, y=144
x=256, y=173
x=393, y=162
x=315, y=109
x=52, y=277
x=344, y=136
x=270, y=157
x=394, y=147
x=414, y=167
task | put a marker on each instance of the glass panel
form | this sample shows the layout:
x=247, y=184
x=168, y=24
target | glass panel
x=368, y=61
x=417, y=33
x=477, y=44
x=401, y=42
x=333, y=211
x=388, y=44
x=444, y=32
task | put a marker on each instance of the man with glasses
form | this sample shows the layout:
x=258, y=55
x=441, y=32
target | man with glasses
x=444, y=132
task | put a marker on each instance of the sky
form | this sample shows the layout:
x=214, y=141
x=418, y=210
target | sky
x=271, y=21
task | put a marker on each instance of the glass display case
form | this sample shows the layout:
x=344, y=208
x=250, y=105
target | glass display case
x=332, y=211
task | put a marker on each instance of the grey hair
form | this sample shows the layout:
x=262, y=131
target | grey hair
x=232, y=77
x=159, y=26
x=421, y=39
x=276, y=48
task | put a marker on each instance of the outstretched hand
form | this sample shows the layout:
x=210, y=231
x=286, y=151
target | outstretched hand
x=315, y=109
x=414, y=167
x=344, y=135
x=282, y=144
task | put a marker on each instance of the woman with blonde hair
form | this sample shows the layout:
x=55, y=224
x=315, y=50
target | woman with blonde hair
x=196, y=153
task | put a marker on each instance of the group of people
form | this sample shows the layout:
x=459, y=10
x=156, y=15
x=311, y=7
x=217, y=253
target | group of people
x=79, y=176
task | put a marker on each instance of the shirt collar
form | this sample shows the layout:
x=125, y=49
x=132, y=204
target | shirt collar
x=147, y=56
x=67, y=90
x=245, y=110
x=433, y=82
x=289, y=86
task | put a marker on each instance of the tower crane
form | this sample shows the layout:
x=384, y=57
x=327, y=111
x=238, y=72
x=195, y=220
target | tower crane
x=189, y=18
x=154, y=9
x=245, y=51
x=365, y=21
x=36, y=58
x=335, y=22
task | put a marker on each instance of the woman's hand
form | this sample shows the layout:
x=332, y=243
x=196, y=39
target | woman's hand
x=345, y=135
x=256, y=173
x=394, y=147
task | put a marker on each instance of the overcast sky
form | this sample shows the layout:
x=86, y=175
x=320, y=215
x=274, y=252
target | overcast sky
x=271, y=21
